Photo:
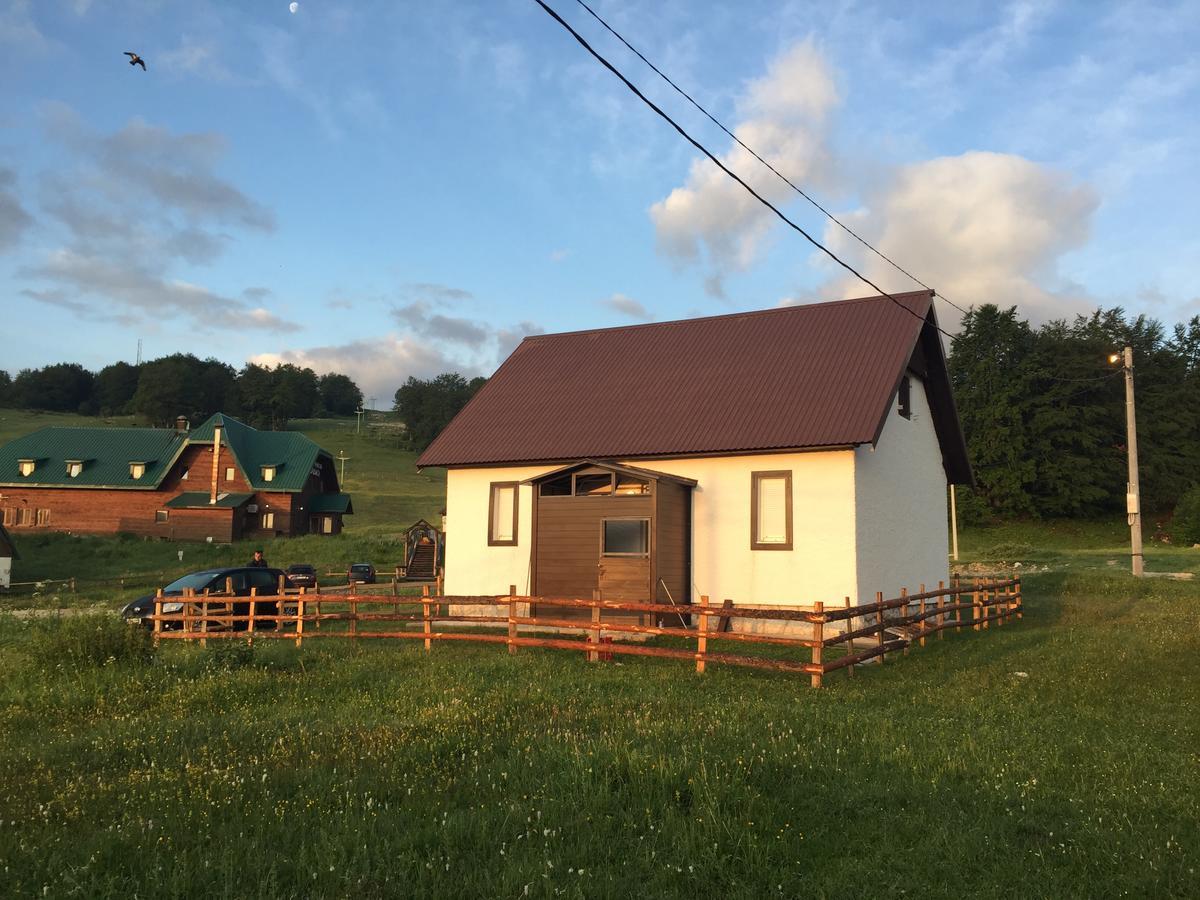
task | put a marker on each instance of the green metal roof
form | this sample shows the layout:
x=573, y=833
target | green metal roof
x=105, y=452
x=330, y=503
x=199, y=500
x=292, y=454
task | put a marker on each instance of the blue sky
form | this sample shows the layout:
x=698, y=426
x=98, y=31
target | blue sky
x=390, y=189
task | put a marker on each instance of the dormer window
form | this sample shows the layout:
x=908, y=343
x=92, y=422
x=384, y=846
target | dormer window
x=26, y=466
x=74, y=467
x=268, y=473
x=137, y=470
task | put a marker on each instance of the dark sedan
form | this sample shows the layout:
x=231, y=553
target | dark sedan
x=241, y=578
x=302, y=575
x=362, y=573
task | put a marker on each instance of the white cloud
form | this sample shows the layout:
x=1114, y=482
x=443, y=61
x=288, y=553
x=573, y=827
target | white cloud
x=980, y=227
x=13, y=217
x=627, y=306
x=783, y=117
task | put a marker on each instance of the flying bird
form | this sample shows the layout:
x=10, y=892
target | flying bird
x=135, y=60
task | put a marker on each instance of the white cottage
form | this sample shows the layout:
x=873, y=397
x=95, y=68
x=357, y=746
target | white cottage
x=776, y=457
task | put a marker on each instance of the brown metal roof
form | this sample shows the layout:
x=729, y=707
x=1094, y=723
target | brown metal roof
x=822, y=375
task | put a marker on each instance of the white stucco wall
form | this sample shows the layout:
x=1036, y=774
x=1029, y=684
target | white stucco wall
x=821, y=564
x=5, y=571
x=901, y=500
x=472, y=567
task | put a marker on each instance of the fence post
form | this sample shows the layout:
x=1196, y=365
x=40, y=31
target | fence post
x=1020, y=601
x=353, y=601
x=941, y=602
x=976, y=609
x=203, y=619
x=905, y=622
x=300, y=601
x=282, y=585
x=879, y=622
x=702, y=639
x=924, y=621
x=818, y=646
x=512, y=619
x=250, y=621
x=850, y=642
x=425, y=616
x=594, y=634
x=158, y=600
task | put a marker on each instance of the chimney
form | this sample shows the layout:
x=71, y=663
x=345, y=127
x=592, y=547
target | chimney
x=181, y=425
x=212, y=497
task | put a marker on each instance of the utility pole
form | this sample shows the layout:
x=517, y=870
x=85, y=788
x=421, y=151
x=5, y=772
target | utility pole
x=358, y=414
x=342, y=457
x=1133, y=500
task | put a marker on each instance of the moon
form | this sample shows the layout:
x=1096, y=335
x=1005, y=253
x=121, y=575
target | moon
x=293, y=6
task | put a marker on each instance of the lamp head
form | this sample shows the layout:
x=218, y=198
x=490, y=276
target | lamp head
x=1114, y=357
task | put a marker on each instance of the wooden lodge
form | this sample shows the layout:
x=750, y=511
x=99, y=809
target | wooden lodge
x=222, y=481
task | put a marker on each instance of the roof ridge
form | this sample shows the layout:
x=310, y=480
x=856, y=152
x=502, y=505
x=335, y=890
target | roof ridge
x=748, y=313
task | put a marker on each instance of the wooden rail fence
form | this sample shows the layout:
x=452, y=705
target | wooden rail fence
x=862, y=633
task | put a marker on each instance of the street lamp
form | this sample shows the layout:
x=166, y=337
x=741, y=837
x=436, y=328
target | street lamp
x=342, y=457
x=1133, y=506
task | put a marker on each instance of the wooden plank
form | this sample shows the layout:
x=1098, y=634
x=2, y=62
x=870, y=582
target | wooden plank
x=702, y=639
x=819, y=639
x=723, y=622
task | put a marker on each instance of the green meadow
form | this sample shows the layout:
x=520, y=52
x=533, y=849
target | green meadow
x=1052, y=757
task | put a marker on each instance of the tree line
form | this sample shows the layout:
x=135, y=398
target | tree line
x=183, y=385
x=1043, y=411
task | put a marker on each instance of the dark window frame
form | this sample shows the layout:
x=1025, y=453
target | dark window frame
x=904, y=397
x=494, y=486
x=756, y=478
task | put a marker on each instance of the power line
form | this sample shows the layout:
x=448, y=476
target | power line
x=757, y=196
x=832, y=218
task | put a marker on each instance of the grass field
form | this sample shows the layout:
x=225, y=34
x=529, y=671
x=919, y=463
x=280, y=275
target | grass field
x=382, y=771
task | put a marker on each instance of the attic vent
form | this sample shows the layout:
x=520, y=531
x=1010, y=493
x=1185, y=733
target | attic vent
x=137, y=470
x=74, y=467
x=26, y=466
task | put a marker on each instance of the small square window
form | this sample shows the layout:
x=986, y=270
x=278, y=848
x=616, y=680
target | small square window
x=268, y=520
x=268, y=473
x=230, y=473
x=24, y=516
x=160, y=515
x=137, y=470
x=26, y=467
x=43, y=517
x=74, y=468
x=626, y=537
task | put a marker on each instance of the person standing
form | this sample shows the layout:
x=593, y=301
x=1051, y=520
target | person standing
x=258, y=562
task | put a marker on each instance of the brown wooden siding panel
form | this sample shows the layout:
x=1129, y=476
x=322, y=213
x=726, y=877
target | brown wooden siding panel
x=674, y=543
x=568, y=539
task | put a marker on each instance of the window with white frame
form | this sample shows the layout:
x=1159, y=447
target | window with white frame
x=771, y=510
x=502, y=514
x=230, y=473
x=74, y=467
x=268, y=520
x=26, y=467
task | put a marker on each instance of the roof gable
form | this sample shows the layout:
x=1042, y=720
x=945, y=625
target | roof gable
x=822, y=375
x=292, y=454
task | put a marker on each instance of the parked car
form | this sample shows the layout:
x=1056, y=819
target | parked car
x=362, y=573
x=244, y=578
x=302, y=575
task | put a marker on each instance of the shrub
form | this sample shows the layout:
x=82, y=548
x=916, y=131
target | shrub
x=89, y=640
x=1185, y=527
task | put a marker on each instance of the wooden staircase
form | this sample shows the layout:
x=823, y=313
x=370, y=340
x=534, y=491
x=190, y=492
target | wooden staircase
x=423, y=564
